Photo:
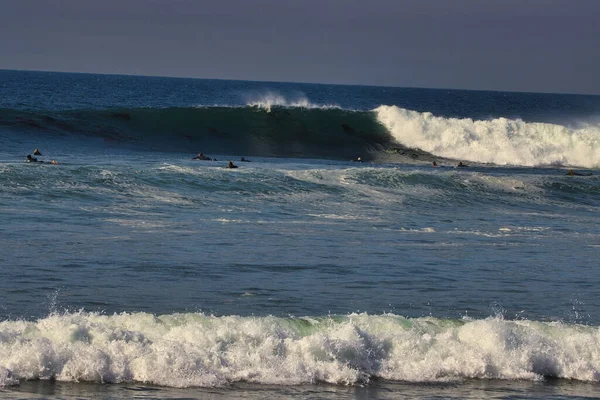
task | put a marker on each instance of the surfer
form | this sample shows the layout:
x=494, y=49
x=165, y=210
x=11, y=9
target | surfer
x=32, y=159
x=571, y=172
x=201, y=156
x=357, y=160
x=36, y=152
x=230, y=165
x=244, y=160
x=434, y=164
x=460, y=165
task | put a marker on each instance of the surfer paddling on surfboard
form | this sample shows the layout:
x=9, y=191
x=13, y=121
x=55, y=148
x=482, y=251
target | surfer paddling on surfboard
x=201, y=156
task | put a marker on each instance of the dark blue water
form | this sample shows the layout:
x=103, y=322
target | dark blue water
x=300, y=272
x=61, y=91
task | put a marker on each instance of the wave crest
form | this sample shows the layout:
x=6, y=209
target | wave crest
x=268, y=100
x=499, y=141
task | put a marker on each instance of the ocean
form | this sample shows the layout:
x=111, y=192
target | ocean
x=336, y=263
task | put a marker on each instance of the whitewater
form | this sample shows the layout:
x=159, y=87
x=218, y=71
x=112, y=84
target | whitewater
x=183, y=350
x=499, y=141
x=130, y=269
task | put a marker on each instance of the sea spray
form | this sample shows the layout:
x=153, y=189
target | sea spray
x=268, y=100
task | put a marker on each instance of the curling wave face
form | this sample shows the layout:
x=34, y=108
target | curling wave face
x=265, y=130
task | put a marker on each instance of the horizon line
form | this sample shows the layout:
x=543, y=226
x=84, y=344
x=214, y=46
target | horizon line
x=300, y=82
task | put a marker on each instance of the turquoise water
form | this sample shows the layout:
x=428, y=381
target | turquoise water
x=300, y=273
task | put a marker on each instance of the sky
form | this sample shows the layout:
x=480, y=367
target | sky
x=510, y=45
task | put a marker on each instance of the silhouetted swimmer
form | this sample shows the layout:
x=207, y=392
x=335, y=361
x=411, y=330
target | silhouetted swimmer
x=35, y=160
x=347, y=128
x=571, y=172
x=244, y=160
x=434, y=164
x=36, y=152
x=230, y=165
x=121, y=115
x=201, y=156
x=460, y=164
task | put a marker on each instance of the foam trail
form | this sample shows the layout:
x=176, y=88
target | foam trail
x=183, y=350
x=499, y=141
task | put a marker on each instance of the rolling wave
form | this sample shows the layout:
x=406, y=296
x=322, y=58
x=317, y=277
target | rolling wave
x=263, y=129
x=498, y=141
x=278, y=127
x=184, y=350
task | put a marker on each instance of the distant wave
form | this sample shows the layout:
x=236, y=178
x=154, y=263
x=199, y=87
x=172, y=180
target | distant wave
x=183, y=350
x=499, y=141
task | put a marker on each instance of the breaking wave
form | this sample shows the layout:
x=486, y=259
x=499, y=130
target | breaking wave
x=499, y=141
x=276, y=126
x=184, y=350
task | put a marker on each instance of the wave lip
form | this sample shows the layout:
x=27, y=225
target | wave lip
x=185, y=350
x=498, y=141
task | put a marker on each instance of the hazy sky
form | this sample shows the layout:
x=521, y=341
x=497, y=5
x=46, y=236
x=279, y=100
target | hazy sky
x=523, y=45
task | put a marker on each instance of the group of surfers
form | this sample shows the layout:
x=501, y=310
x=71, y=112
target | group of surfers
x=433, y=164
x=230, y=164
x=461, y=165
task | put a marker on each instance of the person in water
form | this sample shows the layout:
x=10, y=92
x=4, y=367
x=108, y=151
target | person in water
x=434, y=164
x=230, y=165
x=460, y=164
x=32, y=159
x=571, y=172
x=201, y=156
x=36, y=152
x=244, y=160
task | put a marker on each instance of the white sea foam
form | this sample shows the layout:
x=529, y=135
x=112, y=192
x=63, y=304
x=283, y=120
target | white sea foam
x=420, y=230
x=500, y=141
x=269, y=99
x=182, y=350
